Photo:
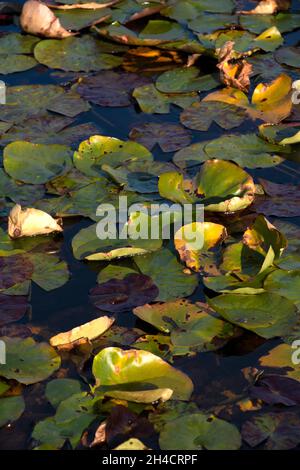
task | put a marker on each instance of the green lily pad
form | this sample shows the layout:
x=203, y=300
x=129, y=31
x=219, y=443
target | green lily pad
x=113, y=271
x=283, y=134
x=186, y=10
x=176, y=284
x=244, y=41
x=87, y=245
x=136, y=370
x=75, y=55
x=59, y=390
x=35, y=163
x=28, y=362
x=16, y=43
x=267, y=314
x=285, y=22
x=248, y=150
x=220, y=185
x=27, y=101
x=288, y=56
x=72, y=418
x=11, y=408
x=199, y=431
x=193, y=327
x=16, y=63
x=79, y=18
x=185, y=80
x=24, y=194
x=284, y=283
x=152, y=101
x=49, y=272
x=205, y=23
x=200, y=116
x=99, y=150
x=170, y=137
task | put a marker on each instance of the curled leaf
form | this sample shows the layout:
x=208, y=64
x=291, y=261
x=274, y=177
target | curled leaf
x=37, y=18
x=29, y=222
x=87, y=332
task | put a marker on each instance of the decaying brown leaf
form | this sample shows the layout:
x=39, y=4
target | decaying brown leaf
x=100, y=435
x=269, y=7
x=234, y=72
x=38, y=19
x=84, y=333
x=85, y=6
x=30, y=222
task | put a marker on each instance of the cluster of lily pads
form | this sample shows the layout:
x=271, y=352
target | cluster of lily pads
x=128, y=390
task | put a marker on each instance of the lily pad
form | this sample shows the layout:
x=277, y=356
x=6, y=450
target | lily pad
x=268, y=314
x=87, y=245
x=281, y=200
x=134, y=370
x=28, y=362
x=121, y=295
x=200, y=116
x=35, y=163
x=59, y=390
x=193, y=327
x=176, y=284
x=199, y=431
x=49, y=272
x=99, y=150
x=110, y=88
x=185, y=80
x=11, y=408
x=74, y=55
x=220, y=185
x=12, y=308
x=289, y=56
x=281, y=359
x=285, y=283
x=247, y=150
x=277, y=431
x=170, y=137
x=194, y=240
x=16, y=63
x=152, y=101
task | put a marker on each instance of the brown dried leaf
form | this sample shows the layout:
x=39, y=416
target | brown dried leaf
x=234, y=72
x=38, y=19
x=269, y=7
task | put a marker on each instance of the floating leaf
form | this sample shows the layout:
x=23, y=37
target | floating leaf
x=220, y=185
x=75, y=55
x=200, y=116
x=194, y=240
x=35, y=163
x=268, y=315
x=87, y=332
x=193, y=327
x=151, y=100
x=12, y=308
x=199, y=431
x=29, y=222
x=99, y=150
x=185, y=80
x=247, y=150
x=27, y=101
x=281, y=200
x=110, y=88
x=270, y=102
x=58, y=390
x=28, y=362
x=136, y=370
x=285, y=283
x=49, y=272
x=283, y=359
x=277, y=431
x=87, y=245
x=11, y=408
x=170, y=137
x=121, y=295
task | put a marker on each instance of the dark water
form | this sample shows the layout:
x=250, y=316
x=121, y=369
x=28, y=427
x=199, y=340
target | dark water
x=68, y=306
